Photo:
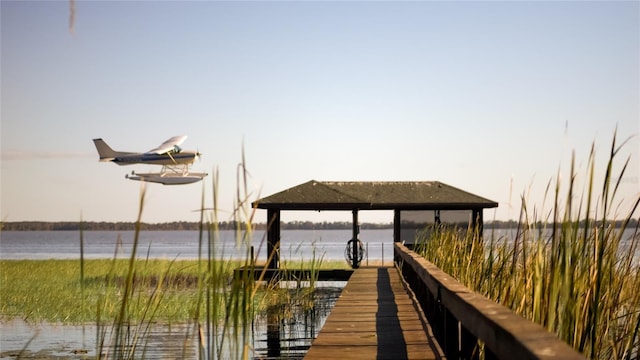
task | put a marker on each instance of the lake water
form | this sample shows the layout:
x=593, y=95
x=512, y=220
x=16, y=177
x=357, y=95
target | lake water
x=294, y=244
x=268, y=339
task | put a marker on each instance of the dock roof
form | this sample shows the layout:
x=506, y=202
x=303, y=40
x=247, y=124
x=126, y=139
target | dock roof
x=374, y=195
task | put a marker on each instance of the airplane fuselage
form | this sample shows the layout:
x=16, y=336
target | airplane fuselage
x=183, y=157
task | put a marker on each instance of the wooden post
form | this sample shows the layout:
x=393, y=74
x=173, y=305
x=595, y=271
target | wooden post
x=273, y=238
x=274, y=325
x=354, y=250
x=451, y=334
x=396, y=226
x=468, y=345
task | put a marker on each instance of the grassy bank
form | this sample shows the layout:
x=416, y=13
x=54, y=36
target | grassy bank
x=50, y=290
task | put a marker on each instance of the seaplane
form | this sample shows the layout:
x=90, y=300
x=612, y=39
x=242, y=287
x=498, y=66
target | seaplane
x=174, y=160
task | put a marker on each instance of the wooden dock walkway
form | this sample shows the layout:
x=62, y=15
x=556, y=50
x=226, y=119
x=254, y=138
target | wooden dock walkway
x=375, y=318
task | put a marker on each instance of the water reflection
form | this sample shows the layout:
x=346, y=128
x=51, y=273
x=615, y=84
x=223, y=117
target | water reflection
x=274, y=335
x=291, y=335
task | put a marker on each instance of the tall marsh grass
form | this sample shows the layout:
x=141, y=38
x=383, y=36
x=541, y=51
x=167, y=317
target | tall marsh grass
x=226, y=297
x=567, y=271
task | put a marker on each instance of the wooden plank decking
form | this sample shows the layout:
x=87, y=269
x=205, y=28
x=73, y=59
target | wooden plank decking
x=374, y=318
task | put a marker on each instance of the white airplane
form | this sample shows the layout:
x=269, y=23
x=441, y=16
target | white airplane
x=175, y=161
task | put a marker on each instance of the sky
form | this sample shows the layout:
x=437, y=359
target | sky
x=490, y=97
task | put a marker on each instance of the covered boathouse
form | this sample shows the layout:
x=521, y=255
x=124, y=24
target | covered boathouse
x=415, y=205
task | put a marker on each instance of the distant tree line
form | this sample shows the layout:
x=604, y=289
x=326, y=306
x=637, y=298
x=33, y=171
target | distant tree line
x=334, y=225
x=510, y=224
x=175, y=226
x=232, y=225
x=94, y=226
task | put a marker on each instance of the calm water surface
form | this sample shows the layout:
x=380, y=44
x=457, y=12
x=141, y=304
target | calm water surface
x=295, y=244
x=292, y=337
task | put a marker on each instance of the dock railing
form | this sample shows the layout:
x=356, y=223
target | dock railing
x=462, y=319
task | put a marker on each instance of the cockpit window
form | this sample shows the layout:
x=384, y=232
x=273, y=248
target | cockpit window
x=176, y=149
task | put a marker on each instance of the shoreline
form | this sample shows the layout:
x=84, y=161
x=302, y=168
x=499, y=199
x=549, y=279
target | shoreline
x=195, y=226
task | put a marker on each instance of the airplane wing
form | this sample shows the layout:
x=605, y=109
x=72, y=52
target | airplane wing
x=168, y=145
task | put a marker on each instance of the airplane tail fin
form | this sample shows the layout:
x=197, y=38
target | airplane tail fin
x=105, y=151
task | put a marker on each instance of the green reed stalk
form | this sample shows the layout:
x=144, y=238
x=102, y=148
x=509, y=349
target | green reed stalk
x=231, y=300
x=201, y=279
x=226, y=294
x=143, y=306
x=82, y=260
x=123, y=319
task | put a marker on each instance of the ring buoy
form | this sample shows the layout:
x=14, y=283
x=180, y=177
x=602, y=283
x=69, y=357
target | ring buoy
x=349, y=255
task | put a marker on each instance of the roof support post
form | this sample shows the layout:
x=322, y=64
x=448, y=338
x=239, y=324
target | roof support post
x=356, y=229
x=355, y=262
x=396, y=226
x=273, y=238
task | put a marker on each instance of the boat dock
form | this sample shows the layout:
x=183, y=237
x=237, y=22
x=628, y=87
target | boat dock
x=413, y=310
x=375, y=318
x=416, y=311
